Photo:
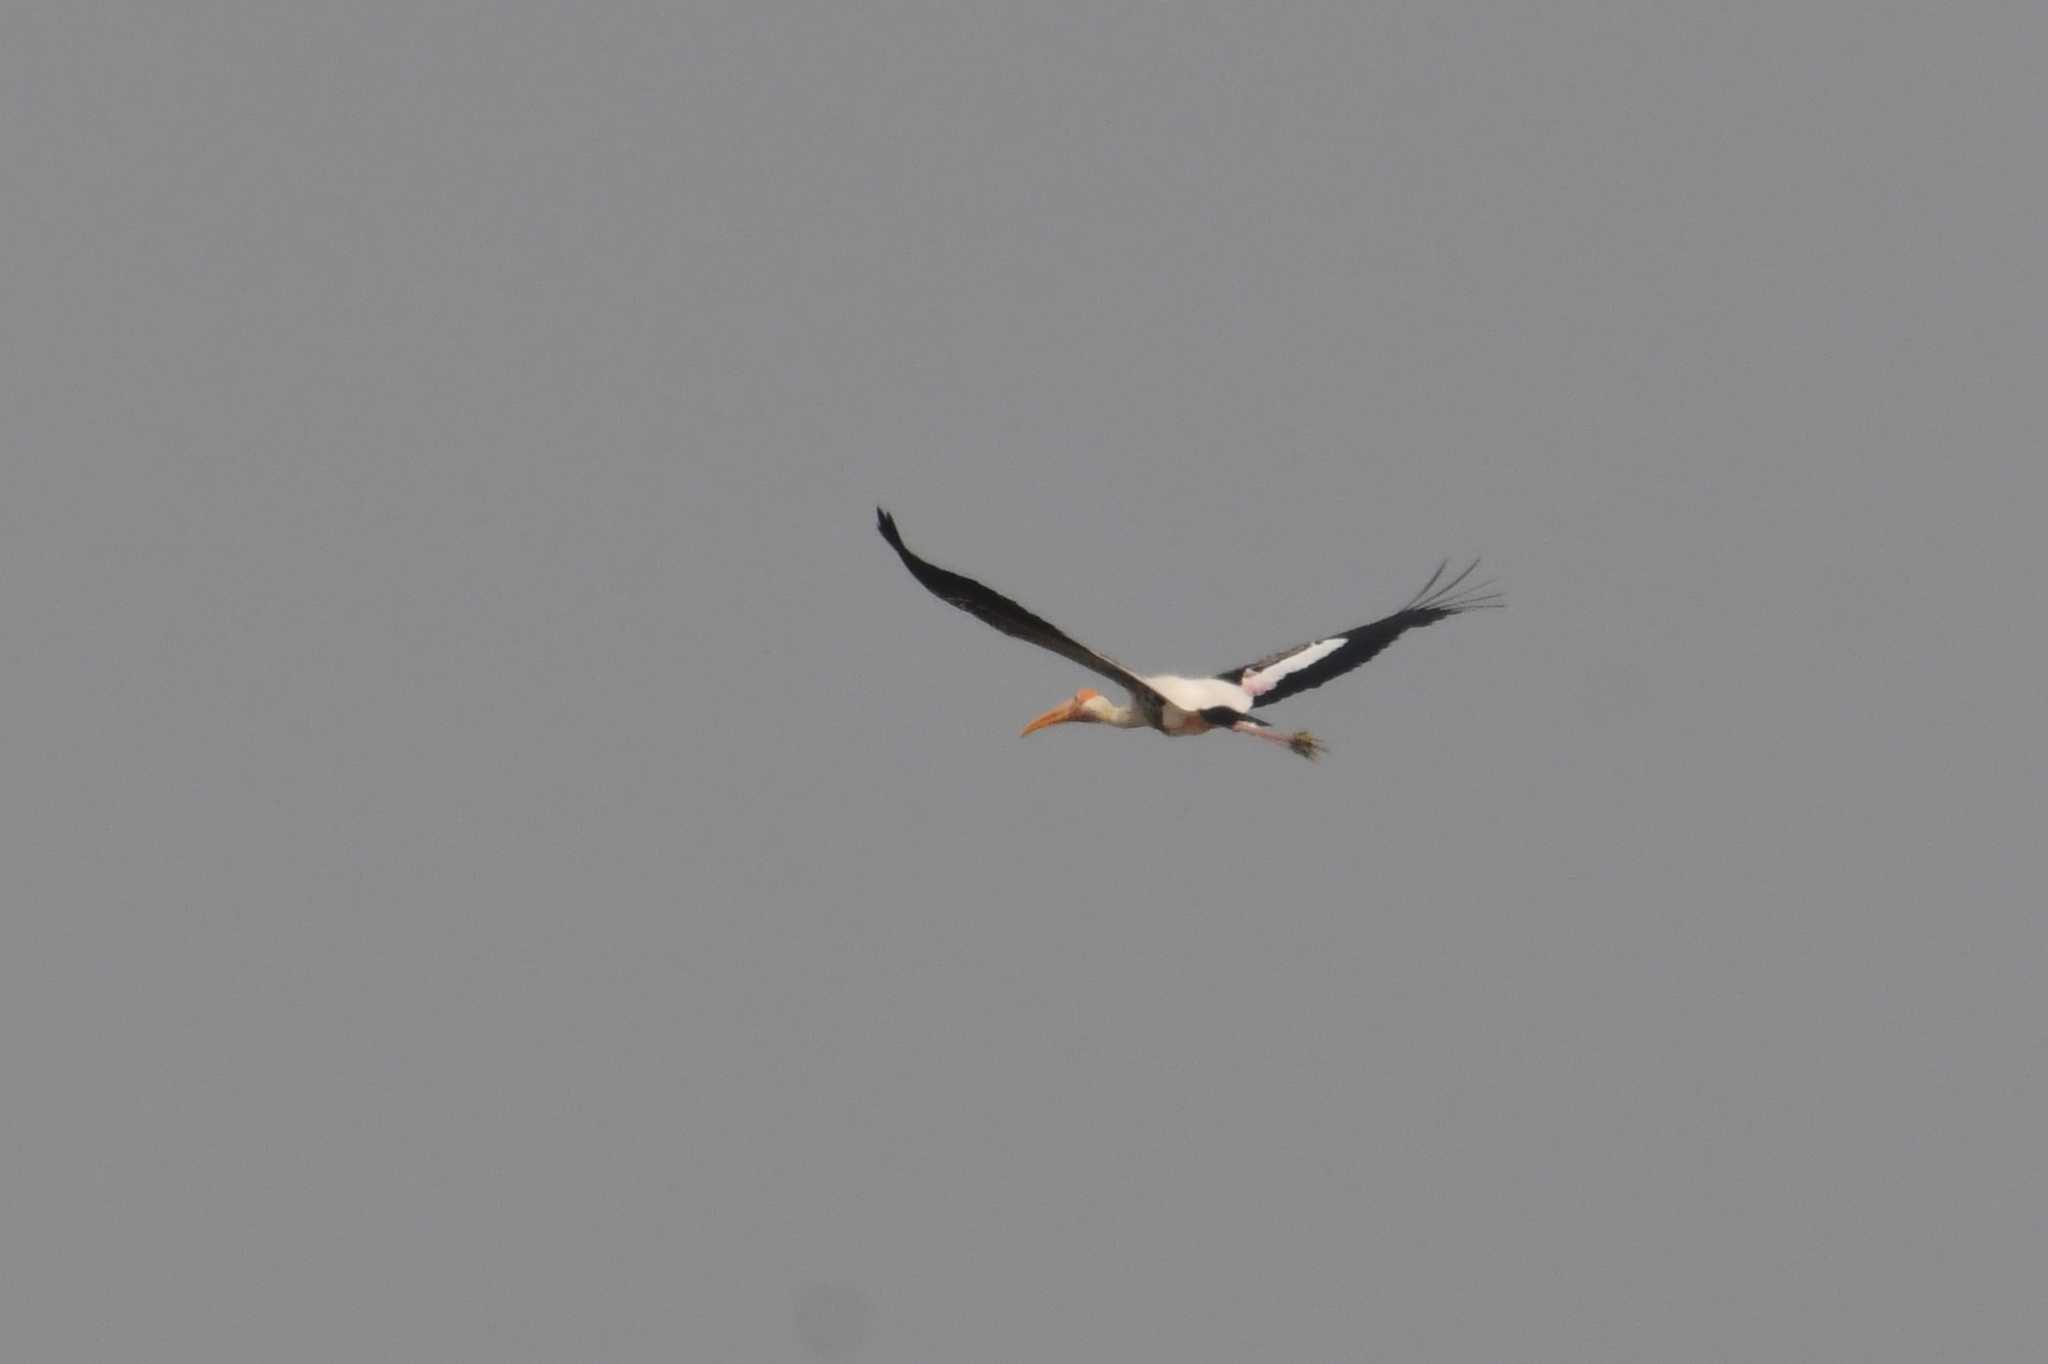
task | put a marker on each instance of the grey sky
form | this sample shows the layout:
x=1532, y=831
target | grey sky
x=502, y=863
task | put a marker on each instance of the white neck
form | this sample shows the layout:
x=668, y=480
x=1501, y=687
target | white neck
x=1105, y=711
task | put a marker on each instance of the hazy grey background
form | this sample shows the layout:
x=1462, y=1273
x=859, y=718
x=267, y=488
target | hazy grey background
x=501, y=863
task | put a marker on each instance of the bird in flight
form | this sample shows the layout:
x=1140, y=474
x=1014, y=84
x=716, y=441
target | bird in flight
x=1176, y=705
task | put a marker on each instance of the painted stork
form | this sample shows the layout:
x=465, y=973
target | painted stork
x=1194, y=705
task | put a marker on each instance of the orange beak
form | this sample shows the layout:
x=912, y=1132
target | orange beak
x=1058, y=715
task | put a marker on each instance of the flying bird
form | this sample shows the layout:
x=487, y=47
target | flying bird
x=1176, y=705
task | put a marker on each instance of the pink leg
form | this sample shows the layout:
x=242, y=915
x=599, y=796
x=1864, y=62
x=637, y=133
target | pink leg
x=1298, y=741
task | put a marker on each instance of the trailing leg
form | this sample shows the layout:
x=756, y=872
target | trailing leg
x=1299, y=741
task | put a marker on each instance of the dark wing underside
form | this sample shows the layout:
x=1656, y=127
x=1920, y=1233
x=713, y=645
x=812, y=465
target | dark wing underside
x=1279, y=676
x=991, y=606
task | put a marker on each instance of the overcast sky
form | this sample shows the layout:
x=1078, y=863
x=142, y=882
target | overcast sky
x=501, y=862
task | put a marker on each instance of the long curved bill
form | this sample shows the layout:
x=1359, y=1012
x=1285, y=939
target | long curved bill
x=1058, y=715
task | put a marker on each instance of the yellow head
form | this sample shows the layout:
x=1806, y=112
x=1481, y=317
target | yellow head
x=1065, y=711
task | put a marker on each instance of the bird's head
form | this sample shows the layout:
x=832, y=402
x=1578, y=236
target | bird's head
x=1081, y=707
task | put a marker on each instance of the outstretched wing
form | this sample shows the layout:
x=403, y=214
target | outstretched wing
x=1279, y=676
x=987, y=604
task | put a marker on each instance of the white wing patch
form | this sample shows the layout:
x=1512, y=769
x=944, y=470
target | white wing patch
x=1194, y=694
x=1265, y=679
